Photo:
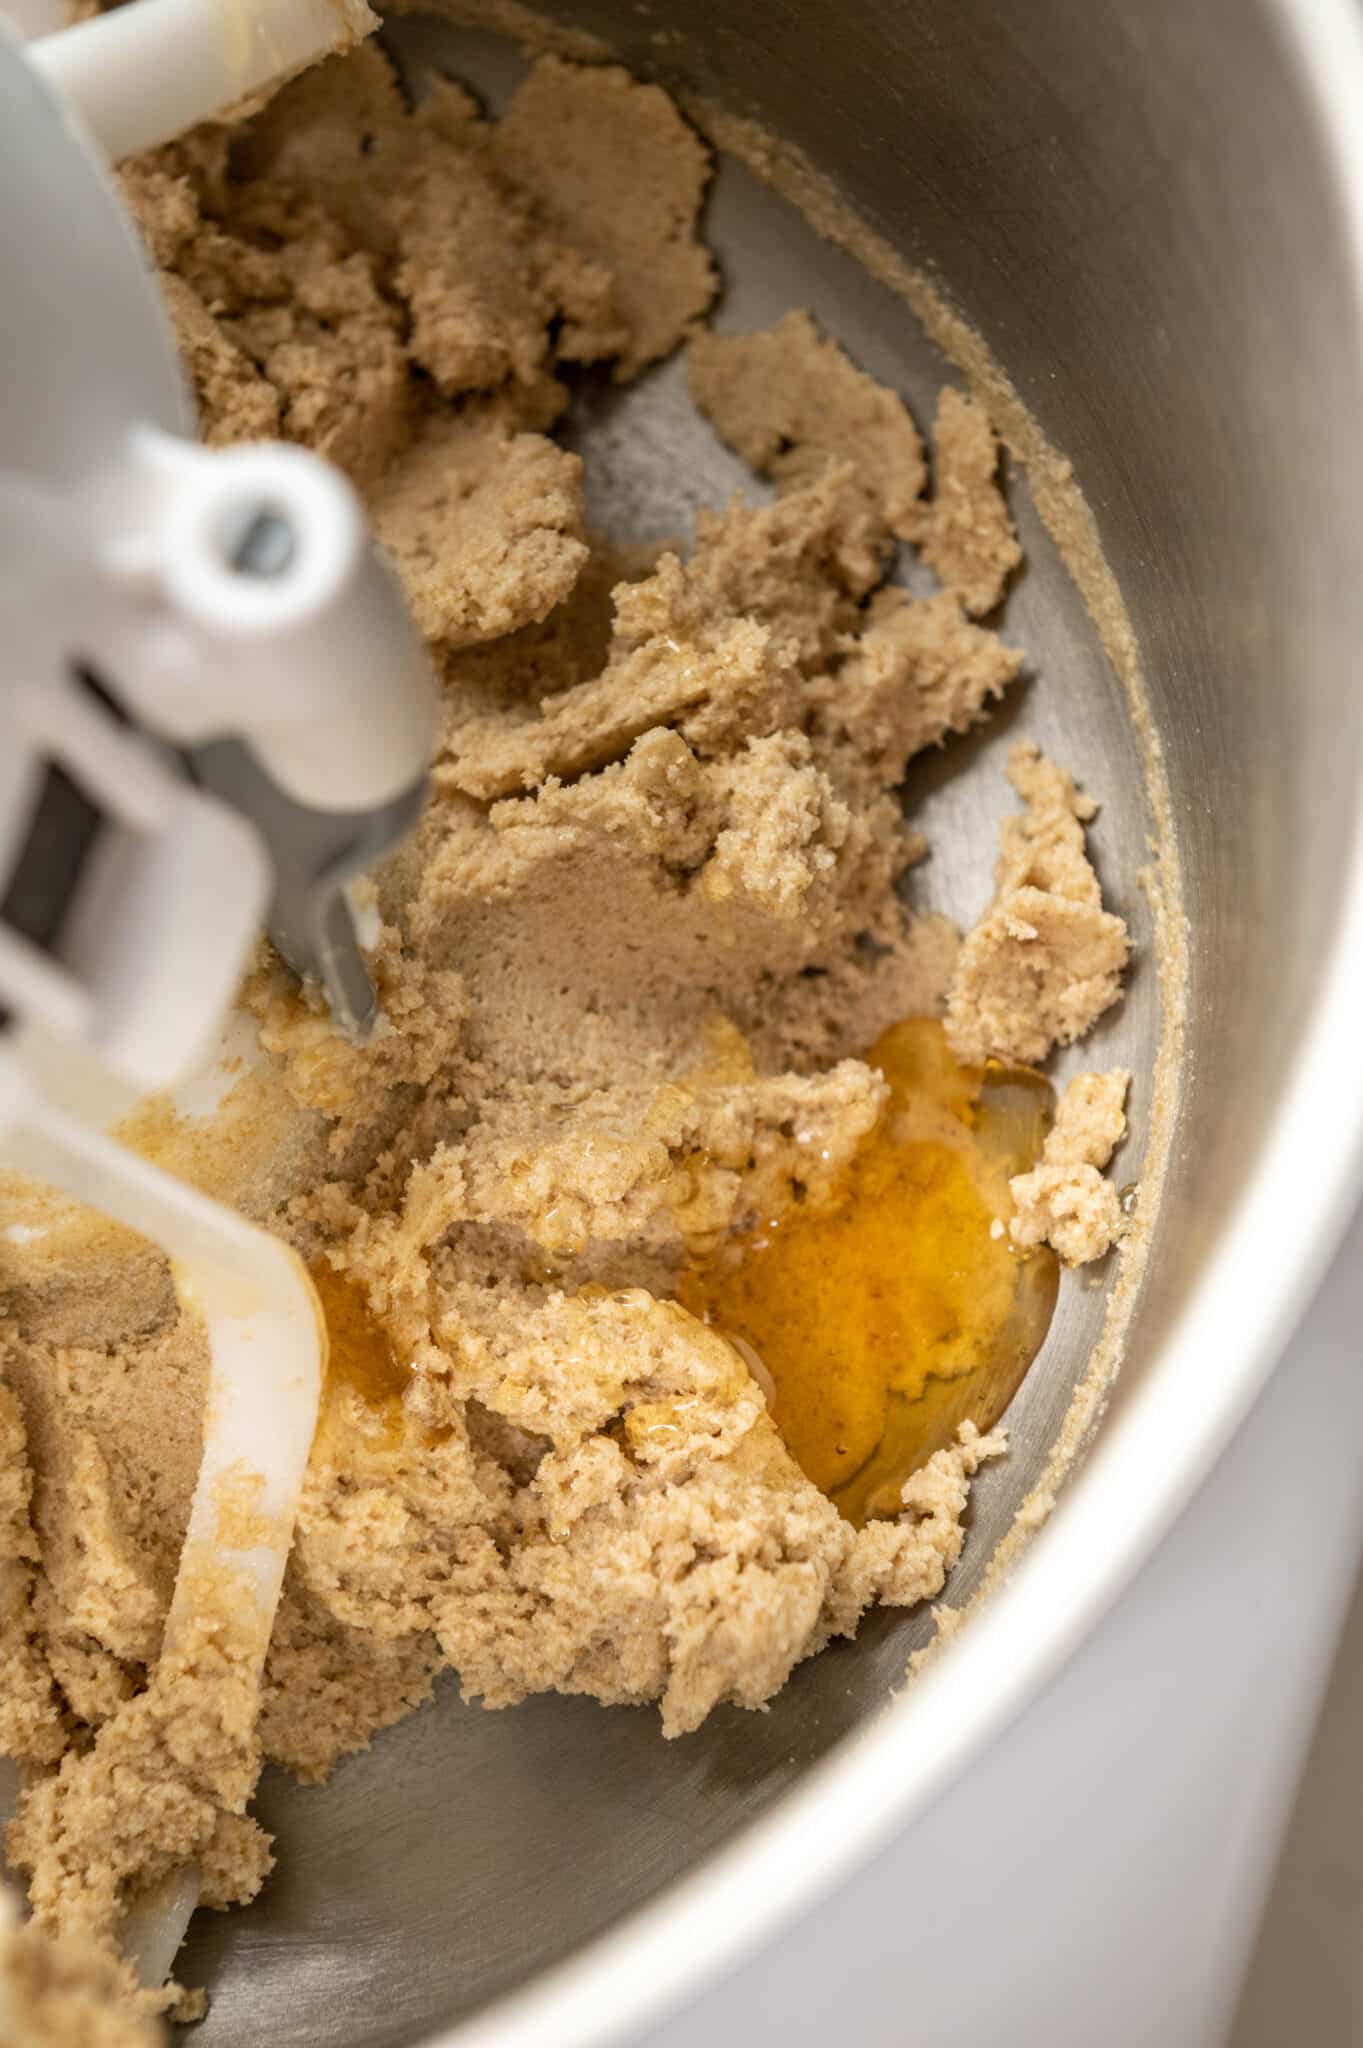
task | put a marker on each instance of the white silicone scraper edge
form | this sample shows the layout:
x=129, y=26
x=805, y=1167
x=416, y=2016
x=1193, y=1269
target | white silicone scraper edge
x=150, y=70
x=267, y=1339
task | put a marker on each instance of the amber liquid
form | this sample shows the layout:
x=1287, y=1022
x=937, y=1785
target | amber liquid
x=901, y=1309
x=885, y=1318
x=359, y=1355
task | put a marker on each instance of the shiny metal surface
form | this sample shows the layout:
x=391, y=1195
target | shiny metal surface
x=1139, y=207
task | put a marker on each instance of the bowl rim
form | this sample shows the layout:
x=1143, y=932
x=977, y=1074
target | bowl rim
x=1213, y=1363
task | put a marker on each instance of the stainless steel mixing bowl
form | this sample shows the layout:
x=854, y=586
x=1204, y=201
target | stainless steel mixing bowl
x=1151, y=211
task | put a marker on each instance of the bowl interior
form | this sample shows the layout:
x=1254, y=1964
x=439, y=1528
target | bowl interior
x=1131, y=204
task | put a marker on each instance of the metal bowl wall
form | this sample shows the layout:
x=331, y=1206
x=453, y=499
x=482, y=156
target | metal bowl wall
x=1150, y=213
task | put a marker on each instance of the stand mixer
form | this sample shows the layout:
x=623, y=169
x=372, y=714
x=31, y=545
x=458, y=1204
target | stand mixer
x=1117, y=196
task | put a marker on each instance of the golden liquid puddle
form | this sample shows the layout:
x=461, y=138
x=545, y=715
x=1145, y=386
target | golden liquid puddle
x=885, y=1318
x=897, y=1312
x=359, y=1354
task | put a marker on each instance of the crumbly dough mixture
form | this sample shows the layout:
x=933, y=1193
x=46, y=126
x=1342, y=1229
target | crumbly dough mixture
x=1065, y=1200
x=1046, y=959
x=68, y=1993
x=628, y=962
